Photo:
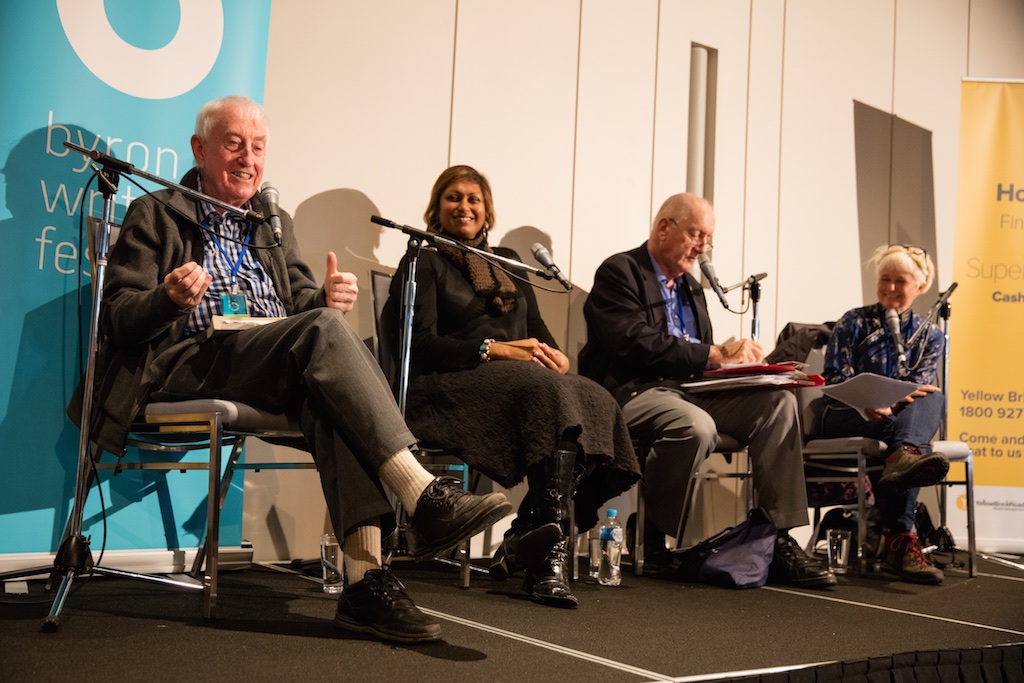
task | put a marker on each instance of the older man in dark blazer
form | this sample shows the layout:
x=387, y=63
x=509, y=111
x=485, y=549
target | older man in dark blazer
x=648, y=331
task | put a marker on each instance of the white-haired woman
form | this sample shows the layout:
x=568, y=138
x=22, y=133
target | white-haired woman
x=861, y=342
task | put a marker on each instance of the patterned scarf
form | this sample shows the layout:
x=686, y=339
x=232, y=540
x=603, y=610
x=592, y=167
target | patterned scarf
x=488, y=281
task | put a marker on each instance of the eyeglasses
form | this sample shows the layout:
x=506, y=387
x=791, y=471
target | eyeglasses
x=697, y=237
x=911, y=249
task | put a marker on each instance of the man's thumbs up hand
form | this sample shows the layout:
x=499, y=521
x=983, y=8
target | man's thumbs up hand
x=341, y=288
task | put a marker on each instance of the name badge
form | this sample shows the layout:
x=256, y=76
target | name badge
x=233, y=304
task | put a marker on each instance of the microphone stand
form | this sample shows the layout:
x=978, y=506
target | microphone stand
x=123, y=167
x=752, y=284
x=417, y=238
x=74, y=556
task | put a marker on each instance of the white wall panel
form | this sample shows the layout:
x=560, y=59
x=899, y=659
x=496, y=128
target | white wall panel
x=835, y=53
x=994, y=43
x=724, y=27
x=514, y=109
x=931, y=58
x=761, y=173
x=614, y=133
x=359, y=98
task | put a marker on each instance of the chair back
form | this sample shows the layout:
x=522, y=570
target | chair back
x=385, y=337
x=810, y=399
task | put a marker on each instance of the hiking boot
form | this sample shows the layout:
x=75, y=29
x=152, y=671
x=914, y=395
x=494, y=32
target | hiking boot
x=379, y=605
x=903, y=557
x=908, y=468
x=524, y=550
x=446, y=514
x=792, y=566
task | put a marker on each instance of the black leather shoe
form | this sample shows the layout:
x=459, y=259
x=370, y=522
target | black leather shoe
x=379, y=605
x=445, y=515
x=792, y=566
x=658, y=559
x=524, y=551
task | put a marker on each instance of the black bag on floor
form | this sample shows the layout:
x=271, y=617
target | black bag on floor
x=737, y=557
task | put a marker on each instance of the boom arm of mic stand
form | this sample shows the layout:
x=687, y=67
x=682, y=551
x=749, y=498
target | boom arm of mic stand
x=436, y=238
x=124, y=167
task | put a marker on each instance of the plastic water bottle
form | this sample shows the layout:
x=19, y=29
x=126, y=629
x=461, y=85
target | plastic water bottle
x=609, y=574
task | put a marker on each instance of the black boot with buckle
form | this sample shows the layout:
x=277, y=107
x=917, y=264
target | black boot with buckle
x=551, y=484
x=526, y=544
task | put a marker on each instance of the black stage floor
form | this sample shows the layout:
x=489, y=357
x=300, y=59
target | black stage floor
x=274, y=625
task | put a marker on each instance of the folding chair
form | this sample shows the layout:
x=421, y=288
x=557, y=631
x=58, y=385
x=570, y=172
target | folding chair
x=850, y=459
x=171, y=428
x=726, y=446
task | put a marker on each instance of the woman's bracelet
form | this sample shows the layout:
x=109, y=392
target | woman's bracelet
x=485, y=350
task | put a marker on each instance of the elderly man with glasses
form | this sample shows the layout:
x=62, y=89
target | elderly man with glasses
x=648, y=331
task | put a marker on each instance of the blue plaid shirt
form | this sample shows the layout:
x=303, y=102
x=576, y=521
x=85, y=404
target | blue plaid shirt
x=220, y=258
x=682, y=322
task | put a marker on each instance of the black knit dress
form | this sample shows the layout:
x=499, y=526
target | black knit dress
x=500, y=417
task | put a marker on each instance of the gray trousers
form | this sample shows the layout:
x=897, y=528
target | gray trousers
x=311, y=365
x=682, y=428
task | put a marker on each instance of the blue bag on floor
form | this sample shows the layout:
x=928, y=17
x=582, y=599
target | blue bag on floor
x=737, y=557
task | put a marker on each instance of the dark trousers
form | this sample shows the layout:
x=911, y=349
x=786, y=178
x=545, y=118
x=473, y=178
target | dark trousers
x=914, y=425
x=311, y=365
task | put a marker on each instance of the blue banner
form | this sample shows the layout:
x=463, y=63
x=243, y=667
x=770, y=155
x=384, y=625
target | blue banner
x=125, y=78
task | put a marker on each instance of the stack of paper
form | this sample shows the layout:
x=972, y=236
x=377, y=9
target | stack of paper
x=754, y=376
x=240, y=322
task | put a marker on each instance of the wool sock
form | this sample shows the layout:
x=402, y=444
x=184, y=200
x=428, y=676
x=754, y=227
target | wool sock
x=405, y=476
x=362, y=550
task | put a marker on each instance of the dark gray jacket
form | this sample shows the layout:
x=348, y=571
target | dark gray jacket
x=141, y=329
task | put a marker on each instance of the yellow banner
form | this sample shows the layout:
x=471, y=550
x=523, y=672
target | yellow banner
x=986, y=382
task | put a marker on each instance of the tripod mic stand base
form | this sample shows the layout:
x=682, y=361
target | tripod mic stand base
x=1002, y=561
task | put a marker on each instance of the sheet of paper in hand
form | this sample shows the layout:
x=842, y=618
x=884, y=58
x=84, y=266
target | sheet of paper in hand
x=868, y=390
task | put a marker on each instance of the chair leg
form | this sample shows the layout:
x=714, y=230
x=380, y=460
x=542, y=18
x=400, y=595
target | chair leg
x=638, y=533
x=224, y=487
x=972, y=550
x=862, y=515
x=213, y=520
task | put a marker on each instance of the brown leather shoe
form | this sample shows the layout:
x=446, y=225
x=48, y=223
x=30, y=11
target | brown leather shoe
x=908, y=468
x=903, y=557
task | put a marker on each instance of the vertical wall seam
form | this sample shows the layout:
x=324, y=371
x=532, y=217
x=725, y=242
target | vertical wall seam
x=451, y=94
x=654, y=112
x=778, y=182
x=575, y=157
x=889, y=228
x=746, y=149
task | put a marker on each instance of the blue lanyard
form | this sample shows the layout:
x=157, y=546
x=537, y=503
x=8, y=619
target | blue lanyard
x=241, y=256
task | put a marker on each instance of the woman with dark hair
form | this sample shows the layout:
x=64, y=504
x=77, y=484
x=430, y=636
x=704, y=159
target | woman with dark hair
x=489, y=382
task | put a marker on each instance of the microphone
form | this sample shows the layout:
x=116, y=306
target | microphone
x=756, y=278
x=544, y=258
x=270, y=198
x=709, y=272
x=892, y=321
